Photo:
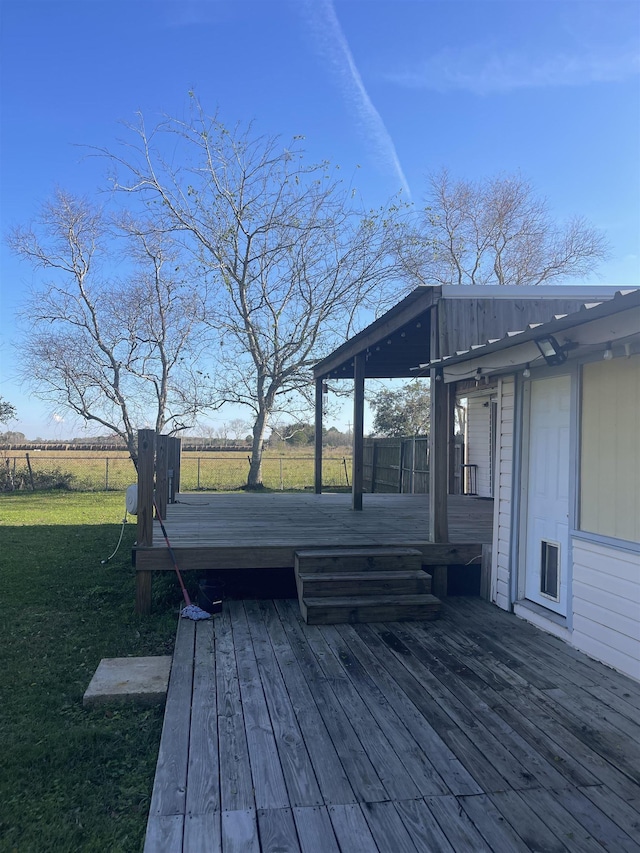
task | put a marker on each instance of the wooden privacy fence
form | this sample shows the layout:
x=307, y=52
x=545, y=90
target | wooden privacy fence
x=158, y=478
x=401, y=465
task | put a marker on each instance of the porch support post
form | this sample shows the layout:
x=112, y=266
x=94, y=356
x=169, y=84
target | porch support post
x=451, y=437
x=162, y=474
x=438, y=459
x=146, y=466
x=357, y=472
x=318, y=439
x=175, y=447
x=176, y=465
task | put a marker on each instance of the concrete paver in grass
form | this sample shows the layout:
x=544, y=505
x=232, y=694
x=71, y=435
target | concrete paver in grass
x=118, y=680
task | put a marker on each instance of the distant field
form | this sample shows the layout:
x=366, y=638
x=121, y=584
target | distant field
x=200, y=470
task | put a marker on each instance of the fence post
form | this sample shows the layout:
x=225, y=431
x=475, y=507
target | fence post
x=106, y=474
x=173, y=464
x=162, y=475
x=33, y=488
x=374, y=465
x=198, y=483
x=176, y=466
x=146, y=464
x=413, y=466
x=146, y=460
x=346, y=473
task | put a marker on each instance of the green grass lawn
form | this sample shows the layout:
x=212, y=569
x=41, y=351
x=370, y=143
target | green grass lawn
x=72, y=779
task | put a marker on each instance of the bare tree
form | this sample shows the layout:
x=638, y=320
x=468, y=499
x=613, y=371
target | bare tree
x=120, y=352
x=238, y=428
x=290, y=257
x=495, y=231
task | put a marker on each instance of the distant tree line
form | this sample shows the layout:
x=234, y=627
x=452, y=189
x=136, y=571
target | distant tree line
x=303, y=435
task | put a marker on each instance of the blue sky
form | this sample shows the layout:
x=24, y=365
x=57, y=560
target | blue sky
x=397, y=87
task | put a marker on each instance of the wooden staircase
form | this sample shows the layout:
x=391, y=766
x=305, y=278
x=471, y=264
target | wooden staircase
x=363, y=585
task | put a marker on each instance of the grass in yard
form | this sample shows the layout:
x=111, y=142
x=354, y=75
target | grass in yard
x=72, y=779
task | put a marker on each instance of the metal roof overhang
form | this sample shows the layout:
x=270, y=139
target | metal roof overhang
x=618, y=318
x=393, y=344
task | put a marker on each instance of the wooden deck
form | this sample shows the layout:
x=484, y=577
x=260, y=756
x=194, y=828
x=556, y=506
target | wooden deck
x=477, y=732
x=261, y=531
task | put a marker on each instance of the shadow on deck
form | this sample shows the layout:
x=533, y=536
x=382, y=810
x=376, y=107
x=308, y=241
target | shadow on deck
x=476, y=732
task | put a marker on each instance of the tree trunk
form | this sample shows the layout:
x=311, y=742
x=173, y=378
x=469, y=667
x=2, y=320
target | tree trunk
x=254, y=480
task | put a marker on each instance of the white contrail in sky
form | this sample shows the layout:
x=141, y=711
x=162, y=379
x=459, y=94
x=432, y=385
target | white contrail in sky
x=335, y=48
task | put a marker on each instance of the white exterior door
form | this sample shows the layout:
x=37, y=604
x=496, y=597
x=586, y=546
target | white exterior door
x=547, y=516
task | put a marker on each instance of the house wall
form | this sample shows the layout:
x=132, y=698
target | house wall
x=603, y=605
x=610, y=448
x=478, y=440
x=606, y=604
x=604, y=608
x=606, y=557
x=501, y=551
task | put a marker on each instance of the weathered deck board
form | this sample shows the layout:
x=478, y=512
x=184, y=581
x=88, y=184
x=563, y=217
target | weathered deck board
x=314, y=830
x=610, y=756
x=203, y=792
x=414, y=759
x=436, y=736
x=350, y=827
x=169, y=796
x=300, y=776
x=454, y=774
x=239, y=832
x=536, y=770
x=262, y=531
x=268, y=780
x=423, y=827
x=311, y=651
x=235, y=772
x=328, y=732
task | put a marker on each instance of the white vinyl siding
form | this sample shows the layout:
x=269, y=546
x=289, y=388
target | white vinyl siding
x=478, y=441
x=610, y=449
x=501, y=568
x=606, y=605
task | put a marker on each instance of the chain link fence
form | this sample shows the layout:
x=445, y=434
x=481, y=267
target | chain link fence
x=207, y=472
x=34, y=471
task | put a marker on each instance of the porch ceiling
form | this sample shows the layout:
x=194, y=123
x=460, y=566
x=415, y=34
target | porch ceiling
x=393, y=344
x=456, y=318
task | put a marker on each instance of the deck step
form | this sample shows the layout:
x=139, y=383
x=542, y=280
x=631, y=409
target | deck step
x=372, y=584
x=358, y=560
x=369, y=608
x=316, y=584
